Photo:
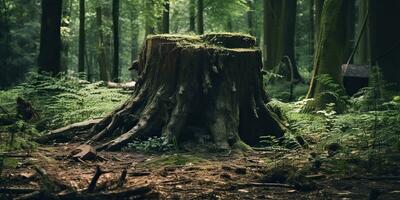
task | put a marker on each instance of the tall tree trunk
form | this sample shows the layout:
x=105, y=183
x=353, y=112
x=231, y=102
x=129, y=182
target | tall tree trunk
x=200, y=17
x=250, y=17
x=115, y=19
x=50, y=37
x=363, y=51
x=312, y=26
x=350, y=27
x=149, y=18
x=82, y=37
x=192, y=16
x=317, y=21
x=101, y=52
x=385, y=47
x=329, y=54
x=165, y=19
x=65, y=44
x=279, y=36
x=133, y=15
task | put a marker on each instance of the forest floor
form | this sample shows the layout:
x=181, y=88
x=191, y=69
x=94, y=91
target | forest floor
x=255, y=175
x=354, y=155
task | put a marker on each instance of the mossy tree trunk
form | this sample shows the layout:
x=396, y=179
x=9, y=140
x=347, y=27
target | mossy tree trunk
x=329, y=55
x=191, y=91
x=279, y=34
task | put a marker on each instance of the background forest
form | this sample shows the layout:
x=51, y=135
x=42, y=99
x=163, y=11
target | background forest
x=331, y=71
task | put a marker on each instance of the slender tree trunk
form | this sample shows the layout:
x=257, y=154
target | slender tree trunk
x=318, y=11
x=229, y=25
x=115, y=19
x=82, y=37
x=279, y=36
x=200, y=15
x=149, y=17
x=329, y=54
x=65, y=44
x=363, y=51
x=250, y=17
x=165, y=19
x=192, y=16
x=50, y=37
x=134, y=32
x=101, y=52
x=350, y=27
x=312, y=26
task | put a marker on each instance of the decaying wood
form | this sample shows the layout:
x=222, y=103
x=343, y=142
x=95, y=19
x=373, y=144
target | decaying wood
x=67, y=133
x=84, y=152
x=191, y=88
x=93, y=182
x=266, y=185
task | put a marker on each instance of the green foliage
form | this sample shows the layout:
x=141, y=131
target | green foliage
x=151, y=145
x=59, y=101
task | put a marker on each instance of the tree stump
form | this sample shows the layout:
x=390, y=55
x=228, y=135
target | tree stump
x=193, y=87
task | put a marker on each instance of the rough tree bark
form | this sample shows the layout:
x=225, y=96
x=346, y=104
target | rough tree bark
x=50, y=37
x=191, y=91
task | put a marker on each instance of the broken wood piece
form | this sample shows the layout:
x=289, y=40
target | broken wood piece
x=253, y=184
x=139, y=173
x=84, y=152
x=122, y=178
x=94, y=180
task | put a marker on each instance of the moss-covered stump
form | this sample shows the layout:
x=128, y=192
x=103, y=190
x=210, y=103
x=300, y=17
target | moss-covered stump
x=190, y=90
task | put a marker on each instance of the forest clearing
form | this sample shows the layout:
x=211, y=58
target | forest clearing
x=199, y=99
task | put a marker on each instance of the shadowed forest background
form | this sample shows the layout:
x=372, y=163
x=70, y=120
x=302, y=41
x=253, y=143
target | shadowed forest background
x=199, y=99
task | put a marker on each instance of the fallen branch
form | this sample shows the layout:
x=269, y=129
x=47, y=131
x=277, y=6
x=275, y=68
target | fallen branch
x=94, y=180
x=127, y=85
x=33, y=195
x=253, y=184
x=17, y=190
x=138, y=192
x=15, y=155
x=139, y=173
x=122, y=178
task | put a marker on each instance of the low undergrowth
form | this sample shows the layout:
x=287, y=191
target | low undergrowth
x=58, y=101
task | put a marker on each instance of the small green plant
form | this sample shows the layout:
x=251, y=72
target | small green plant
x=152, y=145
